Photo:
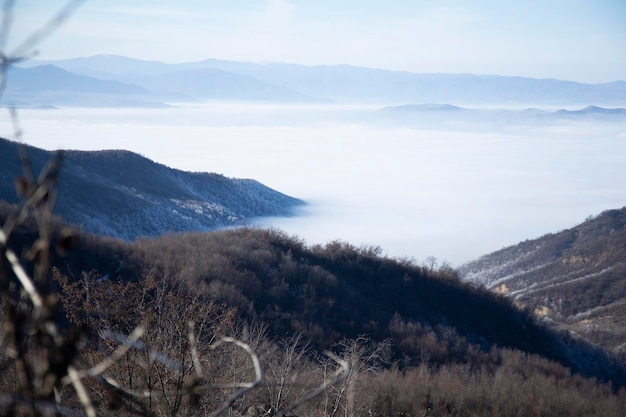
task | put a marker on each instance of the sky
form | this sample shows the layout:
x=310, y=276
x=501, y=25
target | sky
x=578, y=40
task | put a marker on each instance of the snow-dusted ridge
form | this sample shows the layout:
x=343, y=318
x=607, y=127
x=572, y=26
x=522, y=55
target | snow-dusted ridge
x=574, y=280
x=124, y=195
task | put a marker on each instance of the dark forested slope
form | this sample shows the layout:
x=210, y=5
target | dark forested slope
x=122, y=194
x=336, y=291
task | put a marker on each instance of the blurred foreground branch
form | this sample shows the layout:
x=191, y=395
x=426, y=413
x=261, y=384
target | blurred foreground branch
x=27, y=49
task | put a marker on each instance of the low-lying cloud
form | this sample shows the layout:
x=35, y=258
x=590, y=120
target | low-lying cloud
x=452, y=190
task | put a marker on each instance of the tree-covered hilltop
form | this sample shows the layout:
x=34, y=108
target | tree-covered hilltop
x=123, y=194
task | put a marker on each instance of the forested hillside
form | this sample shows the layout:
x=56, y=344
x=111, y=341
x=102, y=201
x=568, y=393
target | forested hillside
x=121, y=194
x=575, y=278
x=415, y=339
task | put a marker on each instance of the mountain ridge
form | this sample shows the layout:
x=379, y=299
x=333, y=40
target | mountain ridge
x=124, y=195
x=575, y=278
x=350, y=84
x=449, y=112
x=49, y=85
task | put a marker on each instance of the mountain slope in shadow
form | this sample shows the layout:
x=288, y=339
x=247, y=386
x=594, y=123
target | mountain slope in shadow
x=122, y=194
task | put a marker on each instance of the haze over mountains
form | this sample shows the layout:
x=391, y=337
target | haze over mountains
x=132, y=82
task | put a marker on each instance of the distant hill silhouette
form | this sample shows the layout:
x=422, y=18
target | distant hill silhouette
x=590, y=110
x=529, y=112
x=426, y=107
x=48, y=85
x=428, y=113
x=122, y=194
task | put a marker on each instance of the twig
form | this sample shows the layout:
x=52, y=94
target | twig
x=38, y=192
x=245, y=386
x=21, y=275
x=139, y=345
x=110, y=360
x=194, y=351
x=7, y=22
x=45, y=407
x=83, y=395
x=26, y=49
x=28, y=45
x=114, y=384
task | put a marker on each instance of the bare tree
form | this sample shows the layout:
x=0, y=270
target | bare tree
x=362, y=357
x=286, y=367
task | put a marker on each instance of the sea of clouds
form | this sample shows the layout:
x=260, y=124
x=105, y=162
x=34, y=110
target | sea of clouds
x=416, y=186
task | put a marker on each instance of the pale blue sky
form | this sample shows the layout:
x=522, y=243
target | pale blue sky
x=580, y=40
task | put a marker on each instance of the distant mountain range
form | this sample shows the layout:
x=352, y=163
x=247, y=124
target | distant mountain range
x=122, y=194
x=432, y=112
x=106, y=80
x=432, y=107
x=575, y=279
x=48, y=85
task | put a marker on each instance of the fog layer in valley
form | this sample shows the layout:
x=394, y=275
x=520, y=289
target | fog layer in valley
x=442, y=184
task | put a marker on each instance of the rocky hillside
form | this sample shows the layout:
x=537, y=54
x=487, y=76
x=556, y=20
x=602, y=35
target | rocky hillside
x=122, y=194
x=575, y=278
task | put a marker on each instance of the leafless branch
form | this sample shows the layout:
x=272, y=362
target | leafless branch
x=245, y=386
x=139, y=345
x=7, y=22
x=83, y=395
x=42, y=189
x=22, y=276
x=27, y=48
x=44, y=407
x=110, y=360
x=37, y=192
x=133, y=342
x=114, y=384
x=193, y=345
